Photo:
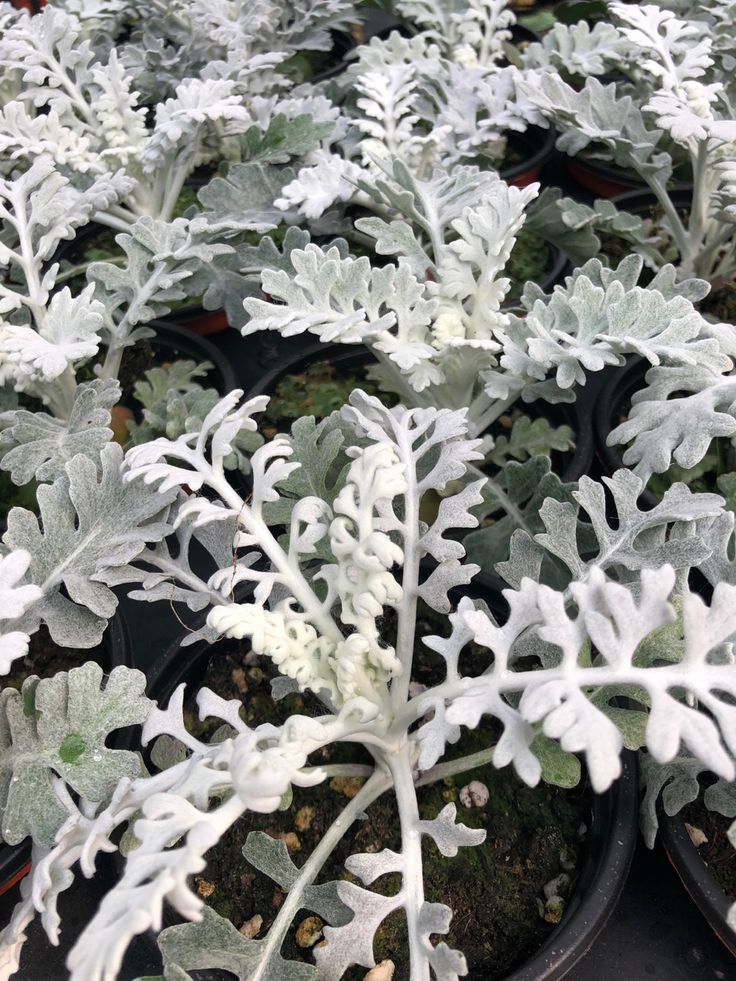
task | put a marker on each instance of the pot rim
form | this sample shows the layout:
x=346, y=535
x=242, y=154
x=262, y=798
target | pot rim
x=580, y=458
x=696, y=877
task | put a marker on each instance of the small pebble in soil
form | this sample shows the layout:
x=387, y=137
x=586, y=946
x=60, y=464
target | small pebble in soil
x=347, y=786
x=278, y=898
x=252, y=927
x=697, y=836
x=567, y=860
x=309, y=931
x=381, y=972
x=303, y=818
x=238, y=676
x=474, y=794
x=205, y=888
x=557, y=886
x=289, y=838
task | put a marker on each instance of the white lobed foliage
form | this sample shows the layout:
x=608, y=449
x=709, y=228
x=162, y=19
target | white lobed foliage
x=322, y=597
x=419, y=106
x=436, y=322
x=672, y=107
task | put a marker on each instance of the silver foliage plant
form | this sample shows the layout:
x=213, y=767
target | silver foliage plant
x=674, y=106
x=352, y=554
x=436, y=320
x=81, y=109
x=408, y=98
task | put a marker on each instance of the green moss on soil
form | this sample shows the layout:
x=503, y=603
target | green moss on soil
x=319, y=390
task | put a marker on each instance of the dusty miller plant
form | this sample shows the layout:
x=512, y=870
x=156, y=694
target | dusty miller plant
x=63, y=349
x=81, y=110
x=403, y=99
x=436, y=321
x=352, y=553
x=672, y=111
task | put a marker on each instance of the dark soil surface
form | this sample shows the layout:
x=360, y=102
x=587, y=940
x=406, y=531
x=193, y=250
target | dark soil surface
x=496, y=890
x=45, y=659
x=717, y=852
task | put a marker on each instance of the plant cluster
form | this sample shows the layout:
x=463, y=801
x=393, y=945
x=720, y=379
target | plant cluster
x=199, y=153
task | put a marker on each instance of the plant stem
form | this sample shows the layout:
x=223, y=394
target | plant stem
x=378, y=783
x=411, y=851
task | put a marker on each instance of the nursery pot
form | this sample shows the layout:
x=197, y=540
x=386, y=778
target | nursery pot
x=621, y=385
x=173, y=341
x=641, y=201
x=603, y=179
x=705, y=891
x=602, y=871
x=114, y=650
x=347, y=358
x=606, y=180
x=537, y=145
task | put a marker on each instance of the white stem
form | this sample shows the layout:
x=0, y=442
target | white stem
x=376, y=785
x=411, y=852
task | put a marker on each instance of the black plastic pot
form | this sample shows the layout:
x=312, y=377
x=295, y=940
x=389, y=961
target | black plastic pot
x=351, y=357
x=612, y=838
x=537, y=144
x=115, y=650
x=603, y=179
x=697, y=879
x=617, y=392
x=640, y=202
x=173, y=342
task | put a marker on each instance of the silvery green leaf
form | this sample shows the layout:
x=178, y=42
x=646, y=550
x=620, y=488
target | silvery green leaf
x=595, y=319
x=51, y=208
x=675, y=783
x=665, y=426
x=514, y=497
x=89, y=521
x=15, y=600
x=598, y=115
x=528, y=438
x=179, y=376
x=242, y=201
x=163, y=263
x=318, y=448
x=58, y=727
x=577, y=49
x=575, y=227
x=636, y=539
x=68, y=335
x=39, y=446
x=353, y=943
x=337, y=299
x=214, y=943
x=284, y=138
x=396, y=238
x=447, y=834
x=182, y=120
x=271, y=856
